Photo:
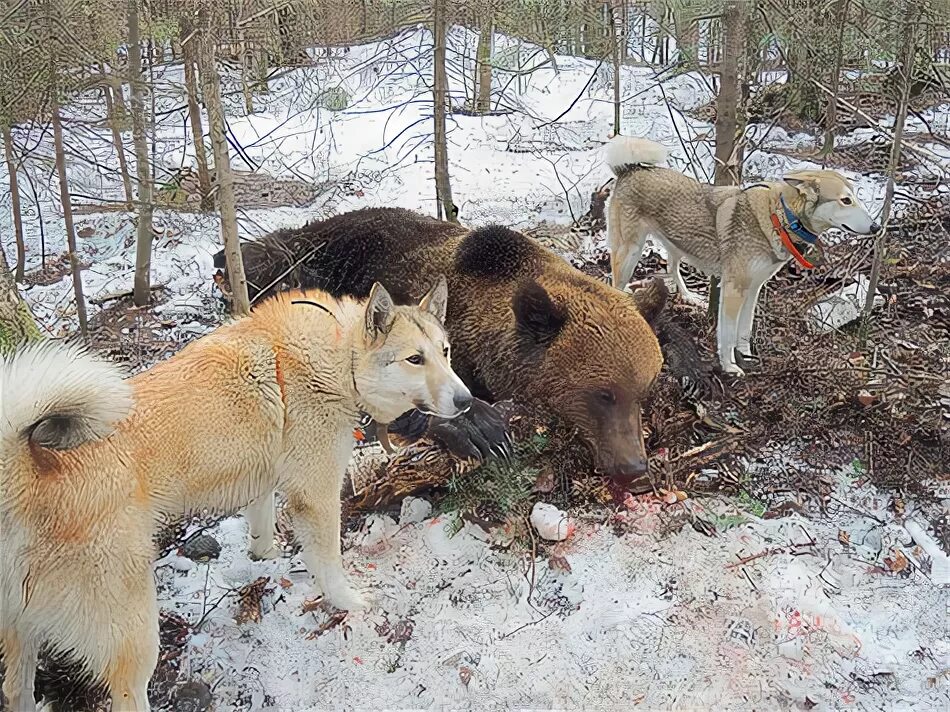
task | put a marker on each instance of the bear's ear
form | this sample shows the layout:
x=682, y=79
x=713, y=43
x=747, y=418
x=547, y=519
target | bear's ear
x=651, y=297
x=536, y=314
x=436, y=300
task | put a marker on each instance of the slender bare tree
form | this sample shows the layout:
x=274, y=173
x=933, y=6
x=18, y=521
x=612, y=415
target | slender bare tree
x=224, y=179
x=483, y=62
x=906, y=70
x=189, y=43
x=74, y=263
x=14, y=203
x=116, y=128
x=443, y=184
x=143, y=241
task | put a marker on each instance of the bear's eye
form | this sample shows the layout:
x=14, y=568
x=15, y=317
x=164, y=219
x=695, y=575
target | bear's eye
x=846, y=201
x=416, y=360
x=607, y=396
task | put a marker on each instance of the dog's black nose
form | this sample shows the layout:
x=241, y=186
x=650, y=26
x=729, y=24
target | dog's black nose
x=462, y=401
x=875, y=227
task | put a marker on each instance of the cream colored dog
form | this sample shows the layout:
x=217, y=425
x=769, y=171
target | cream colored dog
x=744, y=235
x=90, y=461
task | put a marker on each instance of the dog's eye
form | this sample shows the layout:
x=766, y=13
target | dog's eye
x=846, y=201
x=416, y=360
x=445, y=352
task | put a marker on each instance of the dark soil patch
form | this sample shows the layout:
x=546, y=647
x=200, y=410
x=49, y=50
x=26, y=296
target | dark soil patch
x=56, y=268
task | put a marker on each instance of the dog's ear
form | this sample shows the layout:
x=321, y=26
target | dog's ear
x=538, y=316
x=436, y=300
x=806, y=185
x=380, y=312
x=651, y=297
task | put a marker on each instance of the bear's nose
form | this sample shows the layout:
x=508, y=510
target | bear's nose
x=632, y=468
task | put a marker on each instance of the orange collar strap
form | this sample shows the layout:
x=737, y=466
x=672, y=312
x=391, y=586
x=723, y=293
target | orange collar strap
x=789, y=245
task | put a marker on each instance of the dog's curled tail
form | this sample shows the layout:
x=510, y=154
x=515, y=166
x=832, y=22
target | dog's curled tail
x=624, y=152
x=58, y=397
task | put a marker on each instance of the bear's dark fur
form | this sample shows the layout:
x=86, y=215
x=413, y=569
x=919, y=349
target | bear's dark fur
x=523, y=323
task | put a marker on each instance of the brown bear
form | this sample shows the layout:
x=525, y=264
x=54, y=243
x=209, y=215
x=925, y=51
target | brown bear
x=523, y=323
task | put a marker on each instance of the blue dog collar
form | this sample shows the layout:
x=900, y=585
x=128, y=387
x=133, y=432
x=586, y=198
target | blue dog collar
x=795, y=225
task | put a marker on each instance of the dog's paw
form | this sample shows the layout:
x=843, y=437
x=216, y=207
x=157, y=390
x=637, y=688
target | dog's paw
x=733, y=370
x=477, y=434
x=262, y=553
x=346, y=598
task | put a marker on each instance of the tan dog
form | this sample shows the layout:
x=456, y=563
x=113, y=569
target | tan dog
x=89, y=461
x=727, y=231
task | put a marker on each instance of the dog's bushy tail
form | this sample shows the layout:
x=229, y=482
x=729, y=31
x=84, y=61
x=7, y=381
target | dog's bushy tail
x=58, y=397
x=625, y=152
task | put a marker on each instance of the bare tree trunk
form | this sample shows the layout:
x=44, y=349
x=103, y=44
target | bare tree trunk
x=247, y=74
x=224, y=180
x=483, y=66
x=16, y=322
x=119, y=144
x=907, y=76
x=728, y=166
x=831, y=110
x=443, y=184
x=728, y=153
x=15, y=204
x=188, y=42
x=616, y=31
x=143, y=242
x=687, y=36
x=68, y=216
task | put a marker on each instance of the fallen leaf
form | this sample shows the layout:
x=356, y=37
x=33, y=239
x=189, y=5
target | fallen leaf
x=897, y=563
x=250, y=598
x=465, y=675
x=285, y=583
x=311, y=605
x=865, y=398
x=559, y=563
x=844, y=537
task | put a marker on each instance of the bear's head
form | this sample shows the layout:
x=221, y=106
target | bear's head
x=593, y=358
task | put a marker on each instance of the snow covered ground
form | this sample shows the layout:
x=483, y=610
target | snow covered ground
x=781, y=613
x=845, y=610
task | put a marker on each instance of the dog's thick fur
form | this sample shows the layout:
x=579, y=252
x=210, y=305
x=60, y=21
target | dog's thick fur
x=523, y=323
x=724, y=231
x=90, y=461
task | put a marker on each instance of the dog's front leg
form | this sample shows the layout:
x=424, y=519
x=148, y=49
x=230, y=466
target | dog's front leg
x=731, y=298
x=20, y=654
x=261, y=525
x=746, y=319
x=313, y=503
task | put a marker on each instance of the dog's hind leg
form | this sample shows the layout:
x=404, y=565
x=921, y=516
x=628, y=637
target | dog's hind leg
x=625, y=242
x=261, y=524
x=675, y=260
x=20, y=654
